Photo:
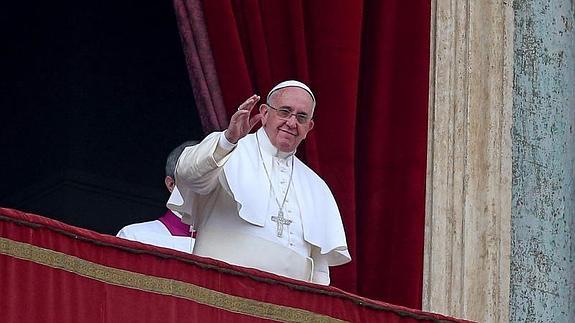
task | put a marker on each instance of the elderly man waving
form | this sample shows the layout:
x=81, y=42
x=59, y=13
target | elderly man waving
x=254, y=203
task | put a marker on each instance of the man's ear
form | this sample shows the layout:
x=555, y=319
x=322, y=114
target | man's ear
x=264, y=110
x=170, y=183
x=311, y=123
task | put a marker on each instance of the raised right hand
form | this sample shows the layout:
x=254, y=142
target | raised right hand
x=241, y=123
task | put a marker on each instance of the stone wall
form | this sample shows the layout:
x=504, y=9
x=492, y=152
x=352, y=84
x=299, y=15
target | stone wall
x=468, y=214
x=543, y=191
x=500, y=217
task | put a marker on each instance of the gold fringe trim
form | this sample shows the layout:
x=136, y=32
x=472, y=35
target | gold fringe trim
x=158, y=285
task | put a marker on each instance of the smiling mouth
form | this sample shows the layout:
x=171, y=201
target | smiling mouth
x=287, y=131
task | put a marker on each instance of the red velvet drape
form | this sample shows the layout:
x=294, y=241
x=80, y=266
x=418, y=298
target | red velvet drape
x=53, y=272
x=367, y=62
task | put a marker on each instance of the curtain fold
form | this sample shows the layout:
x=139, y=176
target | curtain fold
x=200, y=65
x=392, y=146
x=367, y=62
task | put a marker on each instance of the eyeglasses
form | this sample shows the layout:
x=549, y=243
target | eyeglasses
x=286, y=113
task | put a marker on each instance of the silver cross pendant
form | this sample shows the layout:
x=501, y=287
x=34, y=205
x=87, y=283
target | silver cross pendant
x=280, y=220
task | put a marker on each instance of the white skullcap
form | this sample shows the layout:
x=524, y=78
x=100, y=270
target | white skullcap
x=291, y=83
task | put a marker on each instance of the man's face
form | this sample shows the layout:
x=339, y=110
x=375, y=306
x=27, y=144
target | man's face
x=287, y=133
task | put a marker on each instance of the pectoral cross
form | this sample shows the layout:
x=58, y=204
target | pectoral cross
x=280, y=221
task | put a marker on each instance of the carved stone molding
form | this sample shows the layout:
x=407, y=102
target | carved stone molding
x=468, y=203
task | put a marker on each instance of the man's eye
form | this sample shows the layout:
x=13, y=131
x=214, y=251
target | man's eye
x=285, y=111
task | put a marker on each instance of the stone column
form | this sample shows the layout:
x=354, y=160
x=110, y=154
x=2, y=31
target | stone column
x=543, y=227
x=467, y=242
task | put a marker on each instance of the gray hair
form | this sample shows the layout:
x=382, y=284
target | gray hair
x=172, y=159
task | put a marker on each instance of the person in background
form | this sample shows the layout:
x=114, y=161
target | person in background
x=253, y=202
x=168, y=231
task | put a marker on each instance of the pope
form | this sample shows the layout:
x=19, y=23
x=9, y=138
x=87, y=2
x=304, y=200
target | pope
x=252, y=202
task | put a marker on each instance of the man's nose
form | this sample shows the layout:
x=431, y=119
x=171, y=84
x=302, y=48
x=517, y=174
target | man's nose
x=292, y=121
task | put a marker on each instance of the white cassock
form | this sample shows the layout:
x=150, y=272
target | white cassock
x=233, y=198
x=156, y=233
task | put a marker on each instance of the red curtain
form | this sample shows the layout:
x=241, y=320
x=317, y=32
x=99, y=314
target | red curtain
x=367, y=62
x=200, y=65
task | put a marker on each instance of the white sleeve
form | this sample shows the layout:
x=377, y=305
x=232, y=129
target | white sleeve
x=320, y=267
x=199, y=166
x=126, y=233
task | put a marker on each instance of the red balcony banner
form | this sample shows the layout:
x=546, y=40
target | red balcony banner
x=53, y=272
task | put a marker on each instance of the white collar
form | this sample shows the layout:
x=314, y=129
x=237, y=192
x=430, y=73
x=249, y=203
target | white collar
x=268, y=148
x=178, y=214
